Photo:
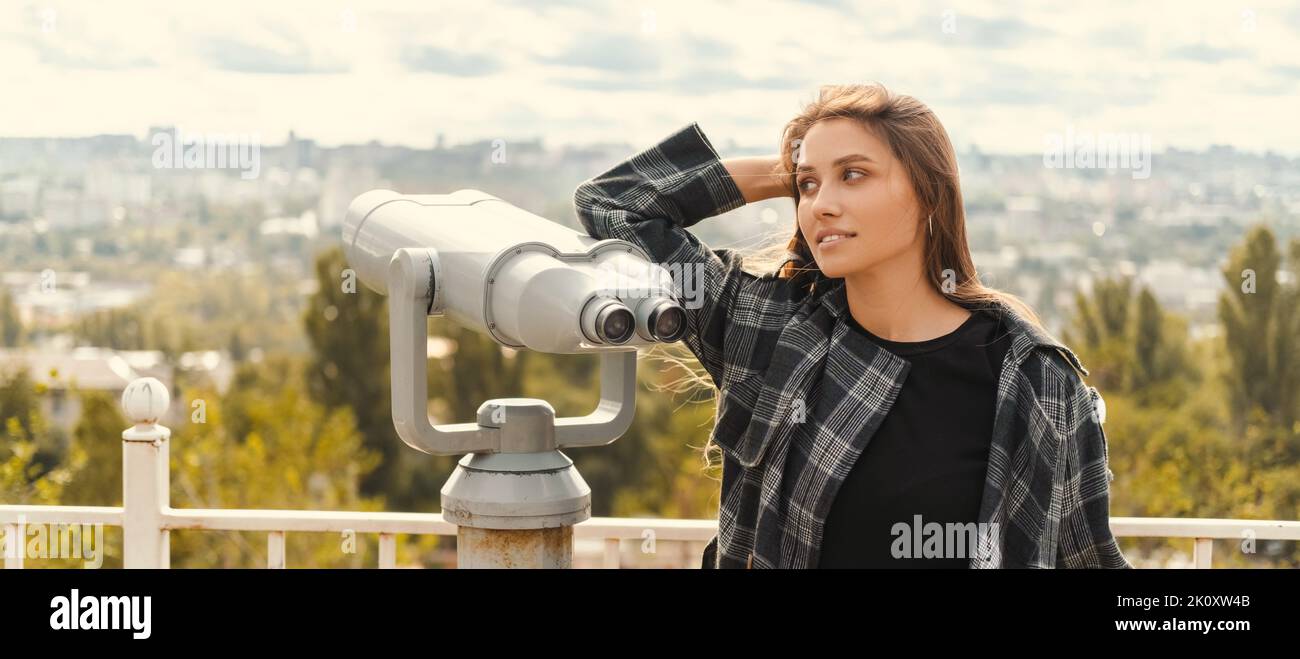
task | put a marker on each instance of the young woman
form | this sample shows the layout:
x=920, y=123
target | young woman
x=878, y=406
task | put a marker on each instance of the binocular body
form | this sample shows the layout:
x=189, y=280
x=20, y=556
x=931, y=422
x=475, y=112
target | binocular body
x=524, y=280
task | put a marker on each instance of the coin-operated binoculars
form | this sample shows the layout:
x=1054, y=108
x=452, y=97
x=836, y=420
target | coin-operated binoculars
x=526, y=282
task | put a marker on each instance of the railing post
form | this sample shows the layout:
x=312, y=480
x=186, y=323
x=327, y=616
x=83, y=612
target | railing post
x=146, y=477
x=1202, y=553
x=15, y=548
x=613, y=553
x=387, y=551
x=275, y=551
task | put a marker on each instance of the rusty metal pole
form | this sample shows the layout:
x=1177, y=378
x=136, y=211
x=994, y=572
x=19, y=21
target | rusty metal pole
x=510, y=548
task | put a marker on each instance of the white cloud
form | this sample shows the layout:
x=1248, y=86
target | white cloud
x=403, y=71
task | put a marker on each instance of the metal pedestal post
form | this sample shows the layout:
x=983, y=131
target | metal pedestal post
x=516, y=508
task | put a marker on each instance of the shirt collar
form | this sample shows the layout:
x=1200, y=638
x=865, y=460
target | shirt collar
x=1026, y=335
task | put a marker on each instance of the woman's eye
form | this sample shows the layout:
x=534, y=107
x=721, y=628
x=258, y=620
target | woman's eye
x=803, y=185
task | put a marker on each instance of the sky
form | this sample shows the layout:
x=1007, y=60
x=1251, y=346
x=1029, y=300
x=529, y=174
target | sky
x=1000, y=75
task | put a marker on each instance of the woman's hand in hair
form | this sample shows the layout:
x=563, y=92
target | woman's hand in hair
x=759, y=177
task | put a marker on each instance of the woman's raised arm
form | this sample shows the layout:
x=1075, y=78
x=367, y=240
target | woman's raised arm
x=649, y=200
x=758, y=177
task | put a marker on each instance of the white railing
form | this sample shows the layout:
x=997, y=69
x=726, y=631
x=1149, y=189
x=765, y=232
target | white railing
x=147, y=518
x=610, y=532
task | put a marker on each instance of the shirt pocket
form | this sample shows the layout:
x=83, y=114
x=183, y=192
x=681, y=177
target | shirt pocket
x=734, y=415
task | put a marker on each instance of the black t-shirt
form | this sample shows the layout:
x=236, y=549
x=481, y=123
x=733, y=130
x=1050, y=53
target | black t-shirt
x=929, y=457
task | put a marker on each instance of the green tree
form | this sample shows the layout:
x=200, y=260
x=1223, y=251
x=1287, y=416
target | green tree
x=31, y=471
x=347, y=327
x=20, y=399
x=1129, y=343
x=1100, y=329
x=1261, y=329
x=98, y=435
x=1183, y=444
x=296, y=454
x=23, y=479
x=11, y=326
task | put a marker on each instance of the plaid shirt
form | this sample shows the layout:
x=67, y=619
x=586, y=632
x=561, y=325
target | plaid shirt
x=800, y=394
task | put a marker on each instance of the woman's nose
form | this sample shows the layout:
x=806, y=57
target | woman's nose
x=825, y=204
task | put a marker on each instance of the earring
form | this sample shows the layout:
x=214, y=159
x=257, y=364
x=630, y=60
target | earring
x=930, y=221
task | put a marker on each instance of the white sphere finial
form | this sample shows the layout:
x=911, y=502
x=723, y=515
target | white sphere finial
x=145, y=401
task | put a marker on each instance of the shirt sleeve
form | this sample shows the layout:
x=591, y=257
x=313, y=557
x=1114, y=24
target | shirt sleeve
x=649, y=200
x=1085, y=538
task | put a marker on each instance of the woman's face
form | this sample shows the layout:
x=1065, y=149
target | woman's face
x=851, y=184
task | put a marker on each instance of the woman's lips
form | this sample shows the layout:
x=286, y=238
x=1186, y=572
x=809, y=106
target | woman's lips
x=823, y=246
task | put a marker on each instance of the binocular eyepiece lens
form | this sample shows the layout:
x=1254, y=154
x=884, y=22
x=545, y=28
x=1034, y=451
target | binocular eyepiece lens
x=611, y=322
x=668, y=323
x=615, y=324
